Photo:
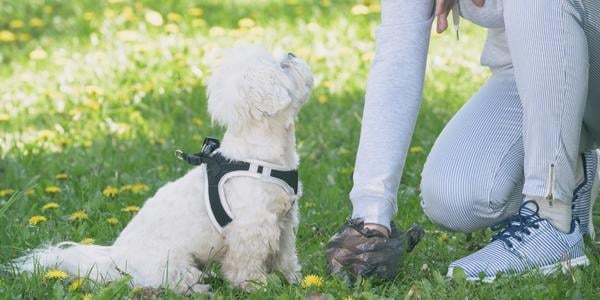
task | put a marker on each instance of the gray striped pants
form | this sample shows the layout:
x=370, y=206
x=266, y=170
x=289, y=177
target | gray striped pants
x=529, y=116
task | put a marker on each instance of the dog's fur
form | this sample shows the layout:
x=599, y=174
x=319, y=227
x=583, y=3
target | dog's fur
x=257, y=99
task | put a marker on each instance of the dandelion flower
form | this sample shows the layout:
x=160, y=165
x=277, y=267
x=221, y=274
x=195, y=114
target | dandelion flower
x=216, y=31
x=174, y=17
x=198, y=23
x=29, y=192
x=323, y=99
x=87, y=241
x=61, y=176
x=75, y=285
x=153, y=18
x=246, y=23
x=34, y=220
x=416, y=149
x=15, y=24
x=78, y=216
x=7, y=36
x=198, y=121
x=171, y=28
x=87, y=297
x=196, y=11
x=110, y=192
x=87, y=144
x=37, y=22
x=131, y=208
x=112, y=221
x=38, y=54
x=6, y=192
x=360, y=9
x=24, y=37
x=127, y=188
x=139, y=188
x=312, y=280
x=51, y=205
x=53, y=190
x=46, y=134
x=56, y=274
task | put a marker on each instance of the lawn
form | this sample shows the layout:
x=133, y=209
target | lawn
x=96, y=95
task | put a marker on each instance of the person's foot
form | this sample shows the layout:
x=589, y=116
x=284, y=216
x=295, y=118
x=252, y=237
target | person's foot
x=586, y=193
x=526, y=242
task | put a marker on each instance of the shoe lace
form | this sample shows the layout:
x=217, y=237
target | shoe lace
x=517, y=225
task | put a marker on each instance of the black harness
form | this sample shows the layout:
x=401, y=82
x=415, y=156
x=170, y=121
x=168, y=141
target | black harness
x=218, y=166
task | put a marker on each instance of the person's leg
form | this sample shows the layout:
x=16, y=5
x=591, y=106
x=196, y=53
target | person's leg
x=473, y=175
x=549, y=50
x=550, y=58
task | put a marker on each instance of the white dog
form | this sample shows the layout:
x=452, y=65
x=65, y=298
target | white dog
x=257, y=99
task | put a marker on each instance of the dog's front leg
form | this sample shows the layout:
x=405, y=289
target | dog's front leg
x=251, y=241
x=286, y=260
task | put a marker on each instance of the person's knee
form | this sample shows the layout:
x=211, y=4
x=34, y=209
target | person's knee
x=449, y=202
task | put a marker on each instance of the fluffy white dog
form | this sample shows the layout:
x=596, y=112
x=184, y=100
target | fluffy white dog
x=167, y=243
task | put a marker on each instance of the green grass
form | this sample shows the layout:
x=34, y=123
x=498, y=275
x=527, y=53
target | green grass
x=94, y=90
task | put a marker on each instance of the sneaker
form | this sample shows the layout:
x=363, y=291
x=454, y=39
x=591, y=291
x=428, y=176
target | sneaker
x=525, y=242
x=586, y=193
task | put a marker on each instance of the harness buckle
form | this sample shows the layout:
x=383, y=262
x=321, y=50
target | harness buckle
x=179, y=154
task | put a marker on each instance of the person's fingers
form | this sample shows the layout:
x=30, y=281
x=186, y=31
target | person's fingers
x=442, y=22
x=479, y=3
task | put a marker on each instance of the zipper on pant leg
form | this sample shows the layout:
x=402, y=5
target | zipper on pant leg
x=550, y=185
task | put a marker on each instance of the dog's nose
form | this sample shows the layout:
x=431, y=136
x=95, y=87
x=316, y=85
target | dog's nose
x=291, y=55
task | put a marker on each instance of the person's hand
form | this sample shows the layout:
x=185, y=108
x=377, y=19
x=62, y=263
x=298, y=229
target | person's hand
x=359, y=251
x=442, y=9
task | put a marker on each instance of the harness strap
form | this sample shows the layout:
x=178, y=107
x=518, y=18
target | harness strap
x=217, y=166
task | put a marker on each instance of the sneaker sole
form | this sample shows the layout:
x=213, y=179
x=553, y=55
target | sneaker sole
x=595, y=190
x=564, y=266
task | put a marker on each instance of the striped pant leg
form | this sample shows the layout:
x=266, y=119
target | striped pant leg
x=473, y=175
x=591, y=118
x=549, y=52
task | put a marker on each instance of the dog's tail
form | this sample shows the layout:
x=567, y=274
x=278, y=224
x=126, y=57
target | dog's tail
x=95, y=262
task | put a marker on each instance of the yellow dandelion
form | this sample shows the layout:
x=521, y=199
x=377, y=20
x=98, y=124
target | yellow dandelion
x=87, y=144
x=312, y=280
x=88, y=16
x=77, y=284
x=196, y=11
x=197, y=138
x=112, y=221
x=48, y=9
x=216, y=31
x=110, y=192
x=246, y=23
x=153, y=18
x=87, y=297
x=29, y=192
x=323, y=99
x=374, y=7
x=46, y=134
x=56, y=274
x=87, y=241
x=127, y=188
x=198, y=23
x=131, y=208
x=198, y=121
x=24, y=37
x=53, y=190
x=172, y=28
x=34, y=220
x=174, y=17
x=416, y=149
x=38, y=54
x=7, y=36
x=50, y=205
x=78, y=216
x=6, y=192
x=139, y=188
x=326, y=3
x=37, y=22
x=360, y=9
x=4, y=117
x=16, y=24
x=348, y=298
x=61, y=176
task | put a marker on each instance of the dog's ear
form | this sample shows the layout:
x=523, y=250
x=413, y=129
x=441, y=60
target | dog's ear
x=265, y=88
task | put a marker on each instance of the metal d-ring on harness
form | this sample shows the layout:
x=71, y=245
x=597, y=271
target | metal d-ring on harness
x=219, y=169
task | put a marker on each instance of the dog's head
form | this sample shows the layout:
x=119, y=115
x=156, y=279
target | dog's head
x=251, y=86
